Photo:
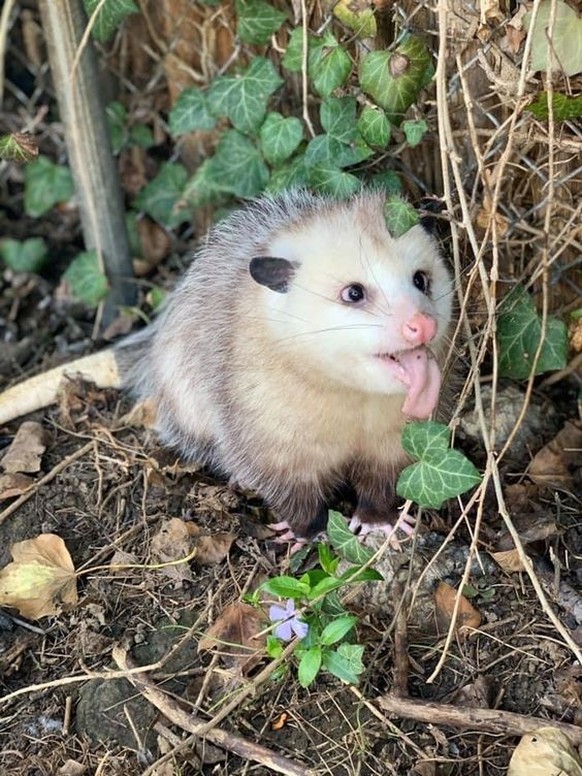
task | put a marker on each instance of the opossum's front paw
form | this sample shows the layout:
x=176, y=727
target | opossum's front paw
x=288, y=535
x=363, y=526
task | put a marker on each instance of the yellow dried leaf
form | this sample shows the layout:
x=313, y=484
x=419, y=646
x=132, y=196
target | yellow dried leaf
x=235, y=636
x=545, y=752
x=41, y=579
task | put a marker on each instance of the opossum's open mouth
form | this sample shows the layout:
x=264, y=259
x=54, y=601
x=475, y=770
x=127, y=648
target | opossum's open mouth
x=419, y=372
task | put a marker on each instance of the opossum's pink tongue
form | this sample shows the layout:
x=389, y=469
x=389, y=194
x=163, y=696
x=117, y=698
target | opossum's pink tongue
x=420, y=374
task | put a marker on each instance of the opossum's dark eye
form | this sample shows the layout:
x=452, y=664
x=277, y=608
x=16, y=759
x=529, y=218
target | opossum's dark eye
x=421, y=281
x=353, y=293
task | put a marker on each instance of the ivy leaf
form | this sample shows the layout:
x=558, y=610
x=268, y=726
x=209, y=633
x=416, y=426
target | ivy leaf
x=161, y=197
x=237, y=166
x=394, y=78
x=388, y=181
x=345, y=662
x=565, y=108
x=400, y=216
x=329, y=179
x=292, y=174
x=191, y=113
x=519, y=331
x=280, y=137
x=338, y=118
x=243, y=98
x=257, y=21
x=26, y=256
x=374, y=127
x=414, y=131
x=45, y=185
x=344, y=542
x=358, y=17
x=19, y=147
x=309, y=666
x=110, y=17
x=326, y=150
x=337, y=629
x=293, y=57
x=441, y=473
x=331, y=70
x=116, y=115
x=565, y=48
x=85, y=279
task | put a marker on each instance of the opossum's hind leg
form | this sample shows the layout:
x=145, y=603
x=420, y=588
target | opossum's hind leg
x=303, y=516
x=376, y=509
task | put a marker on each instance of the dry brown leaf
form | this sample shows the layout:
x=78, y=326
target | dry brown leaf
x=575, y=335
x=425, y=768
x=25, y=451
x=173, y=543
x=234, y=635
x=556, y=463
x=547, y=752
x=444, y=599
x=120, y=561
x=214, y=548
x=471, y=696
x=14, y=485
x=72, y=768
x=155, y=245
x=41, y=578
x=508, y=560
x=142, y=414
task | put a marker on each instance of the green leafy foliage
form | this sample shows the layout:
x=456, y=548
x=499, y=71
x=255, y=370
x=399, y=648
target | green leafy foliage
x=394, y=78
x=441, y=473
x=237, y=167
x=400, y=216
x=356, y=17
x=19, y=147
x=110, y=16
x=257, y=21
x=45, y=185
x=85, y=279
x=338, y=118
x=161, y=197
x=519, y=332
x=414, y=131
x=374, y=127
x=24, y=256
x=564, y=107
x=345, y=662
x=243, y=98
x=280, y=137
x=328, y=64
x=564, y=52
x=309, y=665
x=121, y=134
x=344, y=541
x=190, y=113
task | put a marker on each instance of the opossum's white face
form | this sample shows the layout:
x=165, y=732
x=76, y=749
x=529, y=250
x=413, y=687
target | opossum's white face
x=347, y=300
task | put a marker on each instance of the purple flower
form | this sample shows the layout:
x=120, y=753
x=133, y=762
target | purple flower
x=289, y=624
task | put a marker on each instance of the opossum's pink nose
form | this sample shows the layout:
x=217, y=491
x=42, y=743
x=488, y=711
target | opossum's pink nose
x=419, y=329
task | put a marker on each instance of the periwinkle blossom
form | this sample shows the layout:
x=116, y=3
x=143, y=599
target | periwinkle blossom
x=290, y=624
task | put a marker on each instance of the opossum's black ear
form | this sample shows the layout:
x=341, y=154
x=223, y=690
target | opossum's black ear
x=272, y=272
x=430, y=209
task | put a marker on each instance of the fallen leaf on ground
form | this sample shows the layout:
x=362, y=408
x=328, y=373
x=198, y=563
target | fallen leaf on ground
x=142, y=414
x=25, y=451
x=444, y=599
x=120, y=562
x=14, y=485
x=556, y=463
x=547, y=752
x=234, y=635
x=508, y=560
x=72, y=768
x=173, y=543
x=41, y=578
x=211, y=548
x=475, y=695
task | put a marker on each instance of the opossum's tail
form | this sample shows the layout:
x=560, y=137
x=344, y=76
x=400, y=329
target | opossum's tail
x=40, y=391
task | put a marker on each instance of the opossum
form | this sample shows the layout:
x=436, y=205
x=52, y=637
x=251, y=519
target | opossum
x=290, y=356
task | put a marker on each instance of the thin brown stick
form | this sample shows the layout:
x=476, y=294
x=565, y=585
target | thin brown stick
x=494, y=721
x=191, y=724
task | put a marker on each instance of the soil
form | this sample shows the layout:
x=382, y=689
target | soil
x=59, y=704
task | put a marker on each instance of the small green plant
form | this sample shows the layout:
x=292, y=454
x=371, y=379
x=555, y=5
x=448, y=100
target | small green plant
x=313, y=612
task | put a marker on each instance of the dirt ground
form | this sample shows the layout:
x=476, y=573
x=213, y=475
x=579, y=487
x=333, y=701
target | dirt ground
x=108, y=490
